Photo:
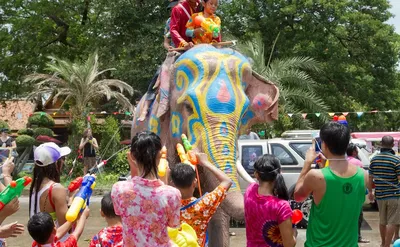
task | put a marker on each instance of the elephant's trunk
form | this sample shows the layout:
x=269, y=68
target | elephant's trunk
x=222, y=152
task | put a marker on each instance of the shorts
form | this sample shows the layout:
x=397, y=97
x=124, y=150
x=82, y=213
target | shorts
x=388, y=211
x=89, y=161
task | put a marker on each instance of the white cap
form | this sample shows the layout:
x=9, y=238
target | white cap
x=48, y=153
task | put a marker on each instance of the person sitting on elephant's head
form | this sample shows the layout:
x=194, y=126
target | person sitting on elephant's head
x=197, y=212
x=196, y=30
x=168, y=45
x=179, y=17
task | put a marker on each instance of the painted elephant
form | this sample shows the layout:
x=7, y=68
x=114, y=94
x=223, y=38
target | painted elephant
x=211, y=95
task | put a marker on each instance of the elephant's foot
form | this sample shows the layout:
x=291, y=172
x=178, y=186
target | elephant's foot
x=218, y=229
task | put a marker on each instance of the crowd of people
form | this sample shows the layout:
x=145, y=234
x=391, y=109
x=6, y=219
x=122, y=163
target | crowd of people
x=138, y=211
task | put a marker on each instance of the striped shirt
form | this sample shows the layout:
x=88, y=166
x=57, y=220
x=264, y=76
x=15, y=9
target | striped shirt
x=385, y=169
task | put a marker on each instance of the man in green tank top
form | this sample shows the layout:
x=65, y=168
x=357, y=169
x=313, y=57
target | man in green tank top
x=338, y=191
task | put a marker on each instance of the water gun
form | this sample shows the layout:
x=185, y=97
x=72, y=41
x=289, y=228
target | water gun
x=162, y=166
x=182, y=154
x=186, y=237
x=81, y=199
x=188, y=147
x=207, y=24
x=14, y=189
x=75, y=184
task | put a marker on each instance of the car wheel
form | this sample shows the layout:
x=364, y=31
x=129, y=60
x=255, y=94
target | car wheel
x=304, y=207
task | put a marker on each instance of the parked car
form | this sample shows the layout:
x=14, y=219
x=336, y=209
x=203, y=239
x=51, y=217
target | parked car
x=291, y=151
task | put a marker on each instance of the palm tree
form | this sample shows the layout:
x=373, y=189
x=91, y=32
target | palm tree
x=297, y=88
x=78, y=83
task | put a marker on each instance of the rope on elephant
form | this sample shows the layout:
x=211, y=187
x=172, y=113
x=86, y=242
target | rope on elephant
x=220, y=44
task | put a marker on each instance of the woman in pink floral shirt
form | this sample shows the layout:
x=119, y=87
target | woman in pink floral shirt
x=146, y=206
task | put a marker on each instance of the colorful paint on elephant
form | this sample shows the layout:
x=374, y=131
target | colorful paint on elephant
x=215, y=94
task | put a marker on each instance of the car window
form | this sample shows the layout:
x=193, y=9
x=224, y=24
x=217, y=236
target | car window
x=300, y=148
x=249, y=157
x=283, y=155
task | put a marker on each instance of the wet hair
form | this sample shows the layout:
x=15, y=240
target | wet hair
x=336, y=137
x=145, y=148
x=107, y=206
x=387, y=142
x=40, y=227
x=350, y=149
x=39, y=173
x=268, y=169
x=183, y=175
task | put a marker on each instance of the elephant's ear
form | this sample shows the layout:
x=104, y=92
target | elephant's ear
x=264, y=97
x=166, y=74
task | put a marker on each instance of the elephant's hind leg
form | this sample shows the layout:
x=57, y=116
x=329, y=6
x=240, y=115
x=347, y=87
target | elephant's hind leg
x=218, y=229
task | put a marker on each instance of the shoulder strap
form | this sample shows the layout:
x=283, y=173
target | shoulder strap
x=50, y=198
x=182, y=7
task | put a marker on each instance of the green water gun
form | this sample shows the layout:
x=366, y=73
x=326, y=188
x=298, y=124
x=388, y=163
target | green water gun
x=14, y=189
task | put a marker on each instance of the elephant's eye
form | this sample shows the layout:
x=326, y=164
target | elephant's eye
x=188, y=107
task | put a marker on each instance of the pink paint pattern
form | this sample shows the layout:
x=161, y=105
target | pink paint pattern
x=223, y=95
x=260, y=102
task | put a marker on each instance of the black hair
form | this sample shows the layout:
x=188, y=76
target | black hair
x=350, y=149
x=39, y=173
x=387, y=142
x=183, y=175
x=336, y=137
x=268, y=168
x=107, y=206
x=145, y=148
x=40, y=227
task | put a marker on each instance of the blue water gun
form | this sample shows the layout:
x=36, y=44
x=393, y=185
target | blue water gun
x=81, y=199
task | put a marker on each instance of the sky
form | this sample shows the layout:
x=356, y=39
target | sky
x=396, y=11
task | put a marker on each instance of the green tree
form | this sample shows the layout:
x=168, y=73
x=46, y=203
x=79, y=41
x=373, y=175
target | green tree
x=110, y=140
x=80, y=84
x=357, y=49
x=297, y=89
x=127, y=34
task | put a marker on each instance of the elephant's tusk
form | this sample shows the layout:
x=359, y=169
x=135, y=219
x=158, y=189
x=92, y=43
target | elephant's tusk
x=242, y=172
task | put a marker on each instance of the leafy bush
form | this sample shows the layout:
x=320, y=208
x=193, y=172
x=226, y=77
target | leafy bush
x=42, y=131
x=119, y=165
x=28, y=132
x=110, y=137
x=3, y=125
x=104, y=180
x=25, y=141
x=41, y=119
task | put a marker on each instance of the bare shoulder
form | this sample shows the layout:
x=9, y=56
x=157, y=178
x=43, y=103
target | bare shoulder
x=315, y=174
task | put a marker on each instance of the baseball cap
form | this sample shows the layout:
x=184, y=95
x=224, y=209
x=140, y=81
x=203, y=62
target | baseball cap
x=48, y=153
x=172, y=3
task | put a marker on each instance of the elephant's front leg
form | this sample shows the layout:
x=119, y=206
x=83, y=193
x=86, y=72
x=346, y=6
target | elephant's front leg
x=218, y=229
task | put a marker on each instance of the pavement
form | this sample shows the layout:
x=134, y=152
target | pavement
x=370, y=229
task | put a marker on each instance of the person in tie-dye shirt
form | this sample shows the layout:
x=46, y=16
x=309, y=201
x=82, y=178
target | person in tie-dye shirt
x=146, y=206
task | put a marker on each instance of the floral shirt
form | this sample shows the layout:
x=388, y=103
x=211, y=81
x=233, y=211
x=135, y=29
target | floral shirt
x=198, y=212
x=70, y=242
x=263, y=214
x=146, y=208
x=108, y=237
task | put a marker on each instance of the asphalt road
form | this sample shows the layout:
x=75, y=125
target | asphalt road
x=95, y=223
